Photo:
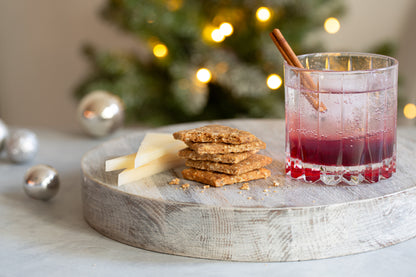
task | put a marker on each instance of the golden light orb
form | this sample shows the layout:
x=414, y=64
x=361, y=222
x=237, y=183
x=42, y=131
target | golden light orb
x=203, y=75
x=332, y=25
x=274, y=81
x=263, y=14
x=409, y=111
x=160, y=50
x=217, y=35
x=174, y=5
x=226, y=29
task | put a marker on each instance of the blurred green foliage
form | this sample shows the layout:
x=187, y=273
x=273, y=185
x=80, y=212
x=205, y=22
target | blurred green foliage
x=164, y=90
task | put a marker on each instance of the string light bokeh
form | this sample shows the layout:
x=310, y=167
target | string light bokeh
x=263, y=14
x=203, y=75
x=409, y=111
x=160, y=50
x=332, y=25
x=226, y=29
x=217, y=35
x=274, y=81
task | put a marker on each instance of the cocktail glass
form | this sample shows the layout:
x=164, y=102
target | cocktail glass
x=351, y=136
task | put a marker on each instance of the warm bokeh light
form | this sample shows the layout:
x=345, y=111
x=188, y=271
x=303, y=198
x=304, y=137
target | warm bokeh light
x=274, y=81
x=160, y=50
x=203, y=75
x=409, y=111
x=263, y=14
x=174, y=5
x=217, y=35
x=332, y=25
x=226, y=29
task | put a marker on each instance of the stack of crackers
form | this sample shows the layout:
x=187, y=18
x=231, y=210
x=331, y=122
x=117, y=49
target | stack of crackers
x=219, y=155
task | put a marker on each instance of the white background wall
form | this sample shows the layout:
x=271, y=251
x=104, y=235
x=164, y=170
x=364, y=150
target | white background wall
x=41, y=60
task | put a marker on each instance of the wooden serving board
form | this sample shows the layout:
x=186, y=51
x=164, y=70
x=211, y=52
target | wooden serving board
x=291, y=222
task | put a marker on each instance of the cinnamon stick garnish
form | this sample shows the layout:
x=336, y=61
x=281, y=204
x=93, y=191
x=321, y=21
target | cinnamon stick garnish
x=291, y=58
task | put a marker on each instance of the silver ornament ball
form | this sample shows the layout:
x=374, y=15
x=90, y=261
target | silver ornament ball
x=100, y=113
x=4, y=132
x=41, y=182
x=21, y=145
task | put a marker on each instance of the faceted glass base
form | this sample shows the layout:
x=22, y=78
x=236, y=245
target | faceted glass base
x=334, y=175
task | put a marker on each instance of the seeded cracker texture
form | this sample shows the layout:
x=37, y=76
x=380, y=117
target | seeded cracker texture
x=220, y=179
x=228, y=158
x=256, y=161
x=223, y=148
x=215, y=133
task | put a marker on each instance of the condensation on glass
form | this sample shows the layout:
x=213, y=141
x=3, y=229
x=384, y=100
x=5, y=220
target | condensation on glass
x=353, y=138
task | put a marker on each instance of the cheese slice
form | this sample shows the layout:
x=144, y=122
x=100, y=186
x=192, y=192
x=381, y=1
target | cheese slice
x=156, y=145
x=156, y=166
x=120, y=163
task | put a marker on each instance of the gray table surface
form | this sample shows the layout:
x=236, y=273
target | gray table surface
x=52, y=239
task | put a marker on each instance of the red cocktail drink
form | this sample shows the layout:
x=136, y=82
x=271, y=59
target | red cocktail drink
x=354, y=139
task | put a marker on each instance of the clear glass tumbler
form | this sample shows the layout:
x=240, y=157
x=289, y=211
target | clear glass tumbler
x=341, y=113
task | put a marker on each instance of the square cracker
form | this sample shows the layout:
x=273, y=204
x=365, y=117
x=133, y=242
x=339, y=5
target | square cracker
x=228, y=158
x=255, y=161
x=222, y=148
x=215, y=133
x=220, y=179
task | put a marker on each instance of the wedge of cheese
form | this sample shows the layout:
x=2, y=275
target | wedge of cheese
x=123, y=162
x=156, y=145
x=157, y=152
x=156, y=166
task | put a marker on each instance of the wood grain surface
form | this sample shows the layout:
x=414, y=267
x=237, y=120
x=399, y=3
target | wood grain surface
x=291, y=222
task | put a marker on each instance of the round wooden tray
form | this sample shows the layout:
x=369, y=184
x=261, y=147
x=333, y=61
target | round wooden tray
x=291, y=222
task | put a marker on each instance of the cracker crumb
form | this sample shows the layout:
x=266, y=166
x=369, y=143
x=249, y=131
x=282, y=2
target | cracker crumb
x=245, y=186
x=240, y=192
x=202, y=191
x=174, y=181
x=266, y=190
x=185, y=186
x=249, y=197
x=276, y=183
x=206, y=186
x=275, y=191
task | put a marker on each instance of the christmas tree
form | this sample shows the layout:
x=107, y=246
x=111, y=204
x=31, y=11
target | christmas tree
x=211, y=59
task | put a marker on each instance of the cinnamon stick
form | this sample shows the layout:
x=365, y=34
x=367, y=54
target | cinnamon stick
x=291, y=58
